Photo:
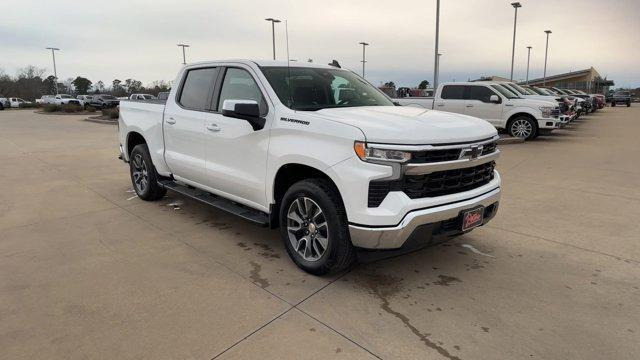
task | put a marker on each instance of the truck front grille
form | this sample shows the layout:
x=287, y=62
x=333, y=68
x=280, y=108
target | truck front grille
x=447, y=182
x=438, y=183
x=439, y=155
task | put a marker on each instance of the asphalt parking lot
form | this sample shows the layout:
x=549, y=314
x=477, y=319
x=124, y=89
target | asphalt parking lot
x=89, y=271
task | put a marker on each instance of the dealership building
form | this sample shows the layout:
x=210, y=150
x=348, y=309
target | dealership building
x=587, y=80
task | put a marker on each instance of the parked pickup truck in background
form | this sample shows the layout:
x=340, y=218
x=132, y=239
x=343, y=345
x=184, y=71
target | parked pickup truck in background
x=336, y=171
x=141, y=97
x=523, y=118
x=621, y=97
x=102, y=101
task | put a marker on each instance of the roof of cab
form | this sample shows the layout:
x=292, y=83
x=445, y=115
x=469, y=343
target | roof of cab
x=265, y=63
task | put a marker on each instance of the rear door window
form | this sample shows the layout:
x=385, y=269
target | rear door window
x=197, y=88
x=453, y=92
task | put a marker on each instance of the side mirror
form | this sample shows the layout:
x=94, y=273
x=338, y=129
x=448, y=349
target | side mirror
x=495, y=99
x=248, y=110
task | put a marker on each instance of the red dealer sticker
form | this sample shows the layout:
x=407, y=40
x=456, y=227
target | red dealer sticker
x=472, y=218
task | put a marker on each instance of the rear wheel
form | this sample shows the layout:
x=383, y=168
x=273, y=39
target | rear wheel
x=314, y=227
x=143, y=175
x=523, y=127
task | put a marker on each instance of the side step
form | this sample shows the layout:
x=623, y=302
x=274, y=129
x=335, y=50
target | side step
x=255, y=216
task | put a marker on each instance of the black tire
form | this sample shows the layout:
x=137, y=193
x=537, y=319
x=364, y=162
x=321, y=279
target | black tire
x=145, y=183
x=515, y=129
x=628, y=104
x=339, y=252
x=613, y=104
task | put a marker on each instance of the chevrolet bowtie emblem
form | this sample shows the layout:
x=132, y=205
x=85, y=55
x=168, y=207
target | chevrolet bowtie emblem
x=471, y=152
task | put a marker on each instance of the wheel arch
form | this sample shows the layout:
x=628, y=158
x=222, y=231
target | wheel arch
x=287, y=175
x=134, y=138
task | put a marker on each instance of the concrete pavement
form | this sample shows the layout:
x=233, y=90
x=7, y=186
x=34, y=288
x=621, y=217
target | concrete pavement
x=89, y=271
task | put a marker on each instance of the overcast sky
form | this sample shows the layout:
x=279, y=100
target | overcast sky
x=103, y=40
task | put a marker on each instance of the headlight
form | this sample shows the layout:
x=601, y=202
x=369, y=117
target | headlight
x=373, y=154
x=546, y=111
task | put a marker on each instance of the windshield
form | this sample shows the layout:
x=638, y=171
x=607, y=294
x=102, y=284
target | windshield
x=513, y=89
x=520, y=89
x=623, y=93
x=147, y=97
x=312, y=89
x=505, y=91
x=529, y=90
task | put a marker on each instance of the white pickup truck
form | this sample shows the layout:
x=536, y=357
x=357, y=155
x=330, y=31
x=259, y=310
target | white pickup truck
x=316, y=151
x=521, y=117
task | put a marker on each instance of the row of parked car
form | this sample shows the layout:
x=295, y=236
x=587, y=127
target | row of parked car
x=523, y=111
x=98, y=101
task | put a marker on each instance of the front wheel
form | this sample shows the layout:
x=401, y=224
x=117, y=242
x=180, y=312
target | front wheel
x=143, y=175
x=523, y=127
x=314, y=227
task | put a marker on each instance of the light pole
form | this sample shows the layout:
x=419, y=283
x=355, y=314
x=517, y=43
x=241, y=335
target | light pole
x=184, y=58
x=435, y=60
x=364, y=45
x=516, y=5
x=439, y=54
x=528, y=58
x=546, y=51
x=55, y=71
x=273, y=34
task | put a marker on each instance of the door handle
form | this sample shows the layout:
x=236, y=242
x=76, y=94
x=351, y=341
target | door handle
x=213, y=127
x=469, y=105
x=171, y=121
x=439, y=104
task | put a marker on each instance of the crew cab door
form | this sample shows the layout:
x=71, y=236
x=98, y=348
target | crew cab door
x=236, y=153
x=184, y=124
x=478, y=104
x=450, y=99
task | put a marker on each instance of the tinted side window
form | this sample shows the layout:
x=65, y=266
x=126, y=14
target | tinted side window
x=454, y=92
x=238, y=84
x=195, y=91
x=480, y=93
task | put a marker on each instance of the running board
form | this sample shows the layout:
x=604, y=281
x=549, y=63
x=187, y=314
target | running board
x=255, y=216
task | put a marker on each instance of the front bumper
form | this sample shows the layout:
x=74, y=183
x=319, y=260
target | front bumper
x=414, y=223
x=549, y=123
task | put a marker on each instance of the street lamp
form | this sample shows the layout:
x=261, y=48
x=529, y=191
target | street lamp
x=546, y=51
x=184, y=59
x=439, y=54
x=528, y=58
x=273, y=34
x=55, y=72
x=364, y=45
x=435, y=60
x=516, y=5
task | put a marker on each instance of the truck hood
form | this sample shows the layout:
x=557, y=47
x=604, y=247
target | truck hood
x=533, y=103
x=410, y=125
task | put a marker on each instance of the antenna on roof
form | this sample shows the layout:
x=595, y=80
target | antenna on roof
x=334, y=63
x=286, y=32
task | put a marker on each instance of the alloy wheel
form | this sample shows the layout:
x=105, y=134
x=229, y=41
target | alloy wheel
x=521, y=128
x=140, y=173
x=307, y=228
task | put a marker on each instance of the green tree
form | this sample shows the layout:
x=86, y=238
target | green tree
x=132, y=86
x=49, y=85
x=423, y=84
x=82, y=85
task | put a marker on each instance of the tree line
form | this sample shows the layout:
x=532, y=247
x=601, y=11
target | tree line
x=30, y=83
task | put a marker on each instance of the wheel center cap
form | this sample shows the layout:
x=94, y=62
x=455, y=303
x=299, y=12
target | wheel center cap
x=312, y=228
